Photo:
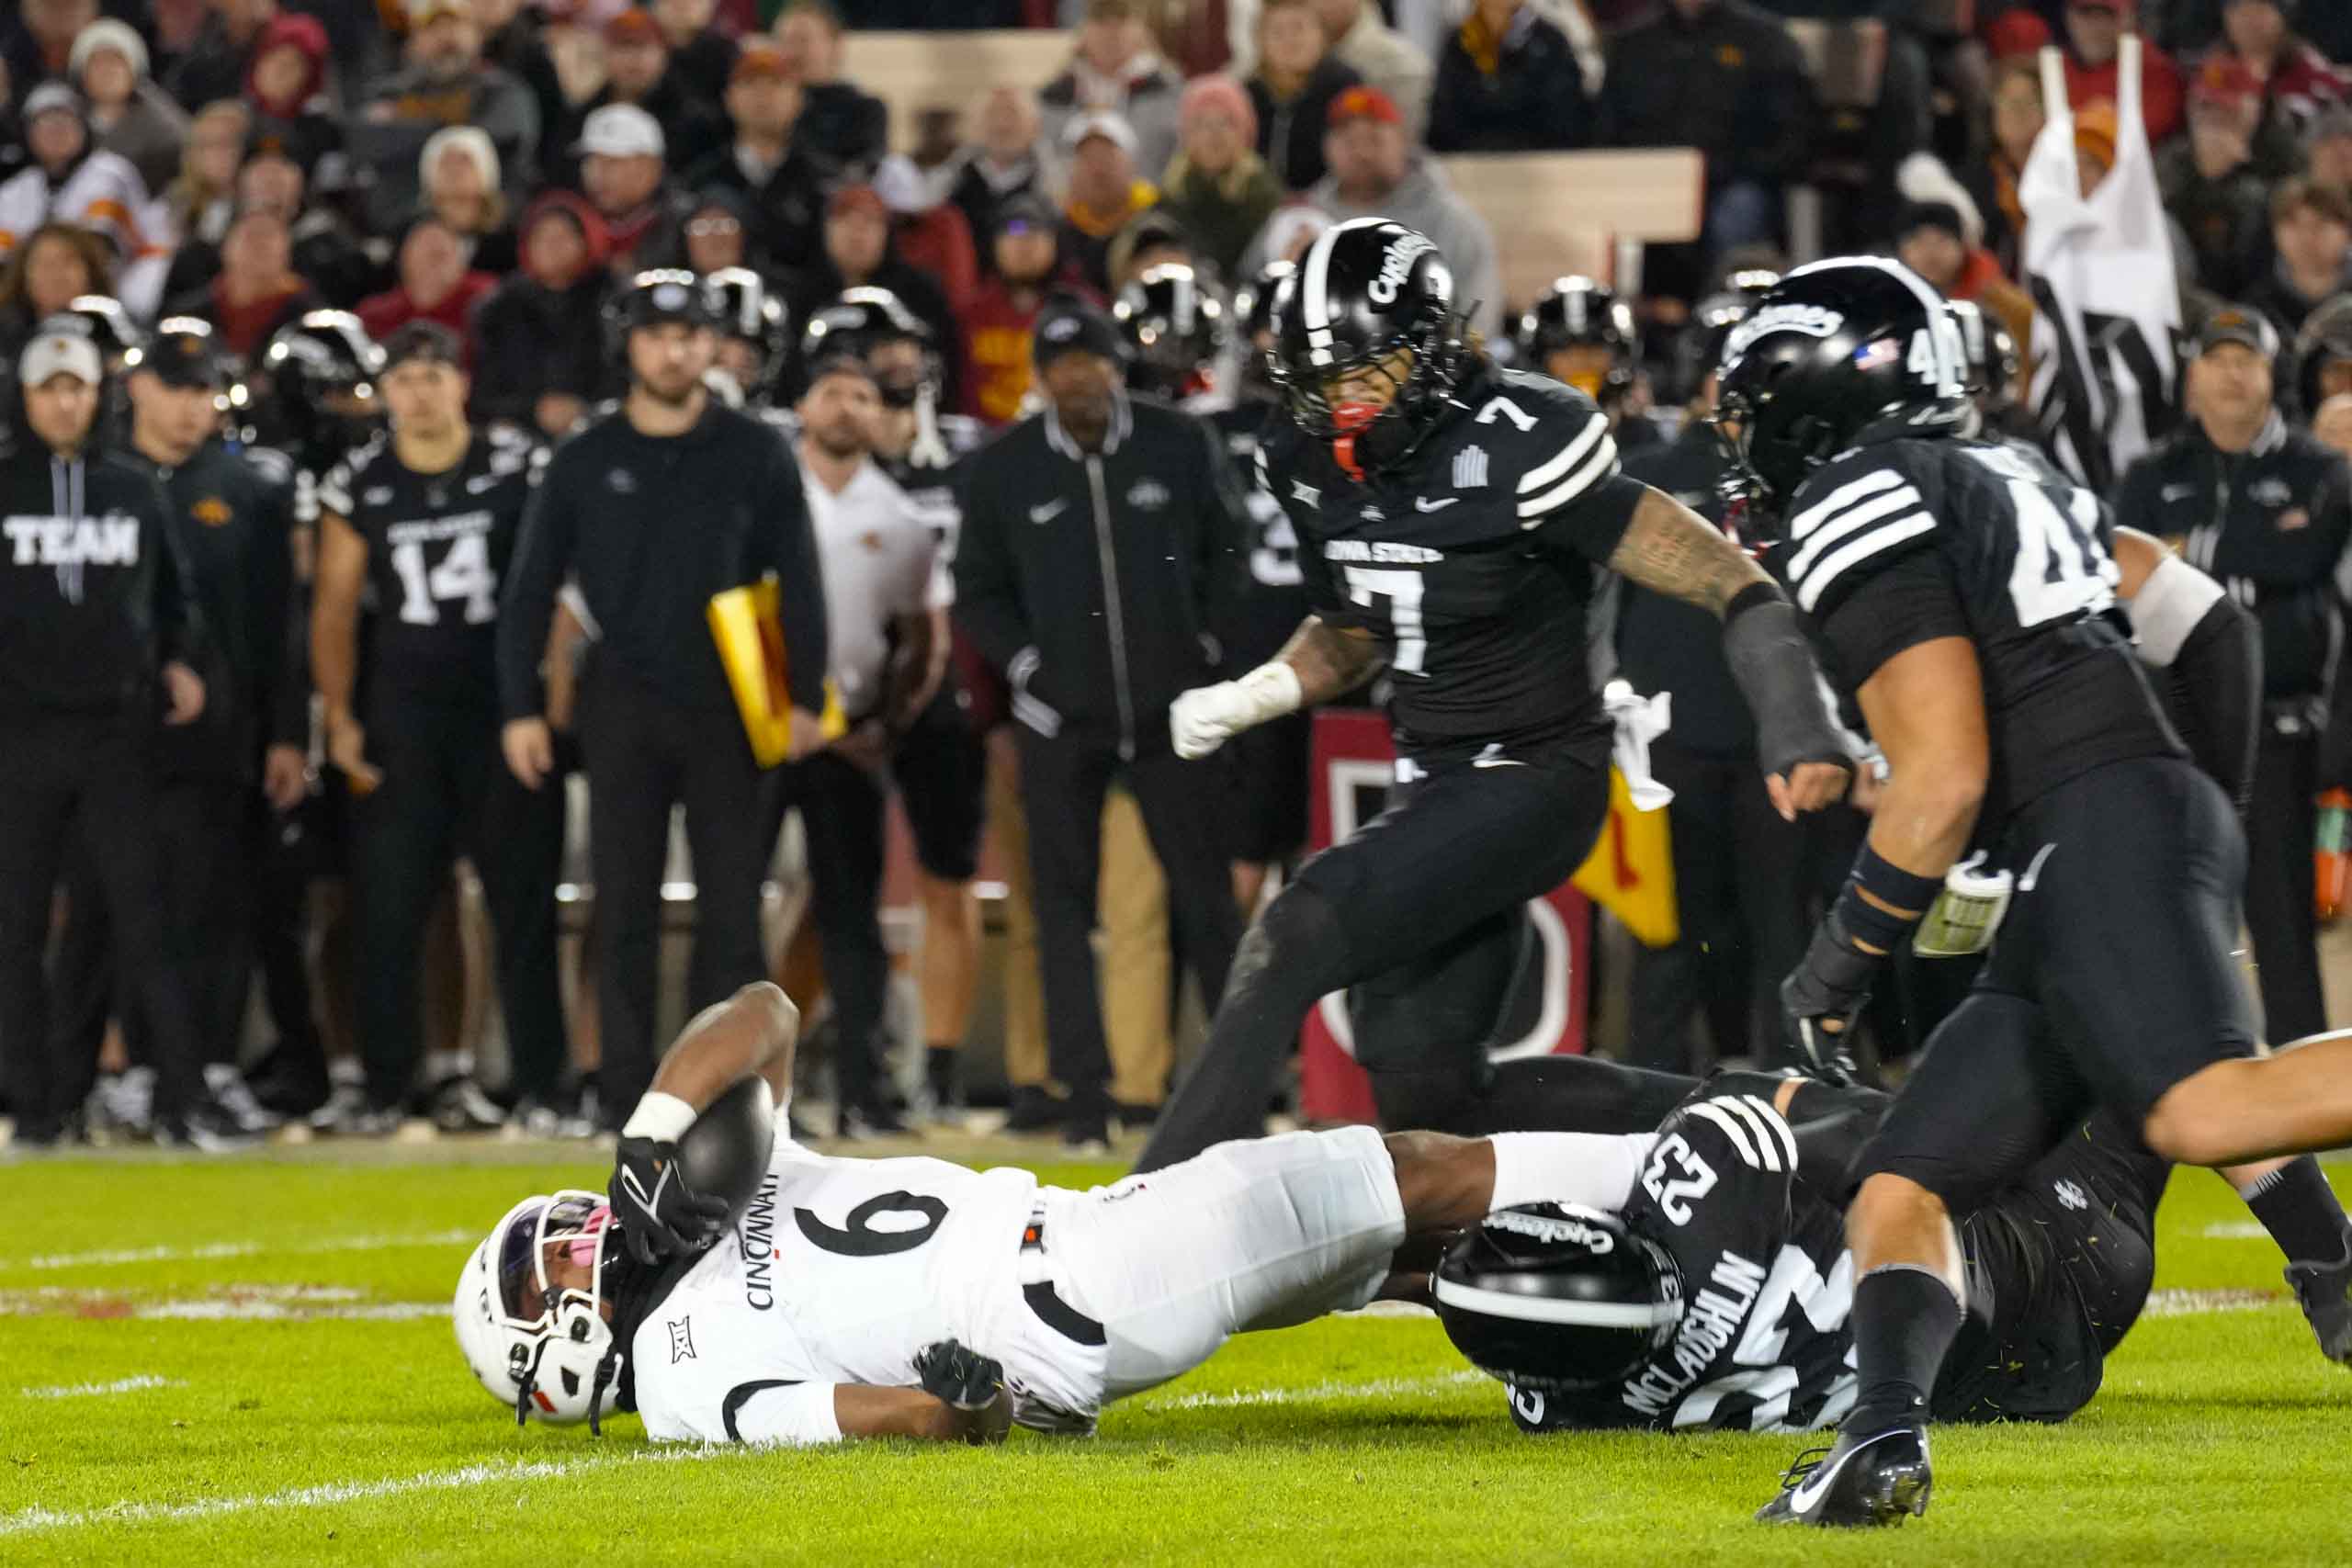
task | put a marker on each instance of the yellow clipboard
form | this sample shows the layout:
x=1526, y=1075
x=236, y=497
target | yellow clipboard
x=748, y=627
x=1631, y=871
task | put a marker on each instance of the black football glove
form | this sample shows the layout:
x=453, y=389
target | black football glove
x=1822, y=998
x=973, y=1384
x=661, y=1217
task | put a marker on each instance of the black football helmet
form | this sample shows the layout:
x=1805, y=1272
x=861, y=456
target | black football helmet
x=1556, y=1297
x=1257, y=307
x=319, y=398
x=858, y=321
x=1700, y=347
x=1366, y=290
x=749, y=311
x=1840, y=352
x=2325, y=342
x=1990, y=355
x=1176, y=329
x=1576, y=312
x=112, y=327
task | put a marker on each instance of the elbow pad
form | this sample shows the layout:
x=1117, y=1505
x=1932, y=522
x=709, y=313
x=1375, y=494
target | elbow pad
x=1776, y=673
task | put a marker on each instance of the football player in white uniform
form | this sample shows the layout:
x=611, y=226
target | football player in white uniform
x=915, y=1298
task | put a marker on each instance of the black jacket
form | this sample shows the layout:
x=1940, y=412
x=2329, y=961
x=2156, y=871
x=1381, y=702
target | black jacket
x=783, y=215
x=1093, y=579
x=530, y=339
x=1535, y=101
x=1290, y=132
x=94, y=582
x=1730, y=82
x=2274, y=524
x=653, y=527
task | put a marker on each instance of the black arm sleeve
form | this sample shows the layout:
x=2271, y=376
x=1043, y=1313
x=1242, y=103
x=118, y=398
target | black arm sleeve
x=542, y=555
x=800, y=585
x=2217, y=684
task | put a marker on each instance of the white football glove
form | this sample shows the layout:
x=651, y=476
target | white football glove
x=1201, y=720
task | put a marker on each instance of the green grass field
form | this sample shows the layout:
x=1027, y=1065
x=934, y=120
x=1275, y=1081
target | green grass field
x=227, y=1362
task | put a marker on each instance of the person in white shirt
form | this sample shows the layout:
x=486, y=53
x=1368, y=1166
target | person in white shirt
x=859, y=1298
x=887, y=595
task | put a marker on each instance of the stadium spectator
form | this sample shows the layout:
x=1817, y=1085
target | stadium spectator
x=1296, y=82
x=1507, y=82
x=637, y=71
x=2094, y=28
x=1384, y=57
x=1938, y=239
x=458, y=172
x=257, y=290
x=1375, y=173
x=1117, y=71
x=1721, y=76
x=2016, y=117
x=1008, y=159
x=198, y=203
x=848, y=129
x=2330, y=148
x=930, y=232
x=539, y=338
x=2333, y=427
x=38, y=42
x=68, y=180
x=1153, y=239
x=325, y=250
x=781, y=185
x=1025, y=249
x=177, y=25
x=2298, y=84
x=624, y=177
x=514, y=38
x=434, y=286
x=860, y=252
x=445, y=82
x=2211, y=186
x=718, y=235
x=285, y=90
x=1220, y=191
x=130, y=115
x=214, y=66
x=1106, y=192
x=702, y=56
x=56, y=264
x=2310, y=231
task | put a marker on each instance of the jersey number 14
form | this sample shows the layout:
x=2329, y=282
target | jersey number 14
x=462, y=577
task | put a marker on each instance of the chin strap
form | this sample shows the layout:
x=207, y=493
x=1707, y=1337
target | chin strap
x=1351, y=420
x=607, y=1369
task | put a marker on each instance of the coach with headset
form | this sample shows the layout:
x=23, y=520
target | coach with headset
x=653, y=509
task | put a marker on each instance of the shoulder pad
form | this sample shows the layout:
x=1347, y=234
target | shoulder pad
x=1545, y=441
x=1742, y=1129
x=1864, y=504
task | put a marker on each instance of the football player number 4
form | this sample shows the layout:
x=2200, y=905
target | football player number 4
x=1401, y=592
x=2061, y=568
x=463, y=577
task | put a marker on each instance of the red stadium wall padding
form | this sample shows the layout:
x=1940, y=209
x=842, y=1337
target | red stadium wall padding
x=1354, y=764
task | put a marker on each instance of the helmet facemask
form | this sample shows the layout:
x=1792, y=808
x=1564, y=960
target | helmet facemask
x=557, y=1352
x=1370, y=440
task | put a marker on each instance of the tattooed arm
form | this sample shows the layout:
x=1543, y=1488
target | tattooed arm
x=1671, y=550
x=1329, y=659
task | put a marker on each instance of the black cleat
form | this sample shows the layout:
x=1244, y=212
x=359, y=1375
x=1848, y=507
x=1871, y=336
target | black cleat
x=1034, y=1111
x=2324, y=1292
x=1858, y=1480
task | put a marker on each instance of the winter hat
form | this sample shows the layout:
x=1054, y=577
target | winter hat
x=469, y=140
x=108, y=33
x=1205, y=93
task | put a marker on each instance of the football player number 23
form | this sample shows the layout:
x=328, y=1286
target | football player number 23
x=463, y=577
x=1402, y=593
x=907, y=1220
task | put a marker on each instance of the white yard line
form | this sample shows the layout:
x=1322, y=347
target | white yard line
x=272, y=1248
x=228, y=1303
x=89, y=1390
x=1377, y=1388
x=2187, y=1304
x=2234, y=1230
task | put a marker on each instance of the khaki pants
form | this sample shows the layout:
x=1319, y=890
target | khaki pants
x=1133, y=949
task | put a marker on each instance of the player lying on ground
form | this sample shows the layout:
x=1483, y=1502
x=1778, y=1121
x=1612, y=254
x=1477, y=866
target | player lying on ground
x=915, y=1298
x=1728, y=1231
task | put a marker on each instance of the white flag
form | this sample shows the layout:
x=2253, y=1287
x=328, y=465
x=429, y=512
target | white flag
x=2106, y=297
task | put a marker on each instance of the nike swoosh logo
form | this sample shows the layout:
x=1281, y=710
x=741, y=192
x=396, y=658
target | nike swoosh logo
x=2179, y=492
x=1049, y=512
x=1423, y=503
x=1802, y=1500
x=476, y=486
x=650, y=1204
x=1496, y=762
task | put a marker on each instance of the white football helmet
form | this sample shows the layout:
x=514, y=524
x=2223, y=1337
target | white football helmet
x=539, y=1349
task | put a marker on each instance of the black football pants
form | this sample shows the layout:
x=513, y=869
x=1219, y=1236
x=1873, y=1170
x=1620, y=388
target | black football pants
x=1063, y=782
x=841, y=816
x=86, y=777
x=2279, y=826
x=446, y=791
x=645, y=753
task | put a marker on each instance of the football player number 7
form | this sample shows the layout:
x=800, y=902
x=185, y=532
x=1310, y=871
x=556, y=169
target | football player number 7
x=1402, y=589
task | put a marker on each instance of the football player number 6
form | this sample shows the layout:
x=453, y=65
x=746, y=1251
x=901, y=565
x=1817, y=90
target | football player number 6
x=914, y=1218
x=1403, y=591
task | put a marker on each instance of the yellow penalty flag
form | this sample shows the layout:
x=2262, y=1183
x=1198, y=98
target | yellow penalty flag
x=748, y=629
x=1630, y=870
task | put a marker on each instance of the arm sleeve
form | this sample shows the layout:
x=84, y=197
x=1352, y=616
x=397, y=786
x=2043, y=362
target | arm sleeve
x=1910, y=601
x=987, y=598
x=800, y=583
x=542, y=557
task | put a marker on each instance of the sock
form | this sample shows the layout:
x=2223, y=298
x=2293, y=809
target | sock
x=1597, y=1170
x=939, y=1071
x=2298, y=1207
x=1905, y=1319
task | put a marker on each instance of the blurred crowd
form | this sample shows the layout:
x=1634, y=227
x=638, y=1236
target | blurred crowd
x=269, y=210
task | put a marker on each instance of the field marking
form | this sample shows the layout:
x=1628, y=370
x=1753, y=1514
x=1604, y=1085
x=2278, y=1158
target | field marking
x=228, y=1304
x=1377, y=1388
x=238, y=1250
x=2189, y=1303
x=2234, y=1230
x=87, y=1390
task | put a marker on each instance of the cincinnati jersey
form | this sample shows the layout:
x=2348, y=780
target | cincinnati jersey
x=839, y=1272
x=1900, y=542
x=1767, y=1284
x=1273, y=598
x=437, y=550
x=1474, y=567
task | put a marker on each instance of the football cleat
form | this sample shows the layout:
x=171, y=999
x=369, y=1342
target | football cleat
x=205, y=1127
x=2325, y=1292
x=1857, y=1481
x=1033, y=1109
x=458, y=1105
x=235, y=1095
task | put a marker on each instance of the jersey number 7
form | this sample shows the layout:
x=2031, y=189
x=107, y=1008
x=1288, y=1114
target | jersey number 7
x=1402, y=593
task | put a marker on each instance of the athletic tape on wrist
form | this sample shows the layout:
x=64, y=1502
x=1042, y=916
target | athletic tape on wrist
x=1271, y=691
x=1877, y=923
x=663, y=1118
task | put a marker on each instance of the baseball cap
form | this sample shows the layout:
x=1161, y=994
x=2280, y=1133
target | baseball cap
x=1102, y=122
x=422, y=340
x=621, y=131
x=2225, y=79
x=1017, y=214
x=1364, y=103
x=51, y=95
x=181, y=353
x=2235, y=324
x=62, y=345
x=760, y=60
x=857, y=198
x=1073, y=326
x=635, y=25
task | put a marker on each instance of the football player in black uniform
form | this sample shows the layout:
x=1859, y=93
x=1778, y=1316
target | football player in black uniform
x=755, y=332
x=1735, y=1315
x=1963, y=594
x=426, y=519
x=1451, y=515
x=1580, y=332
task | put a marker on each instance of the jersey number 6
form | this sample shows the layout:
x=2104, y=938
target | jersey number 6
x=861, y=1239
